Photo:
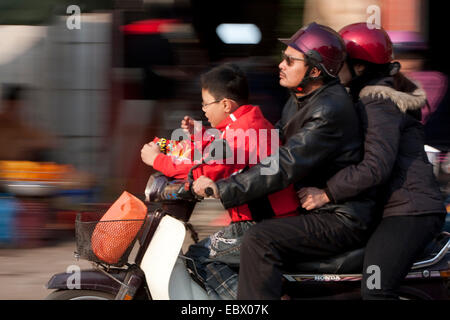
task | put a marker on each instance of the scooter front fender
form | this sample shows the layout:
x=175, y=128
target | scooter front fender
x=88, y=279
x=161, y=255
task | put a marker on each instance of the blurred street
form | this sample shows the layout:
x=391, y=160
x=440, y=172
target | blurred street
x=24, y=272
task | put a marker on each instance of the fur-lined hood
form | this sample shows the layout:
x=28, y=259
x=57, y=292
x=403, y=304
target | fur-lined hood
x=404, y=100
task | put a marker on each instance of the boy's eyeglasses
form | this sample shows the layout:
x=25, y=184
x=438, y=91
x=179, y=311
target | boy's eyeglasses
x=290, y=59
x=207, y=104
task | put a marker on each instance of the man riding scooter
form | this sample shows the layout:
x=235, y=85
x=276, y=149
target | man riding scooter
x=394, y=159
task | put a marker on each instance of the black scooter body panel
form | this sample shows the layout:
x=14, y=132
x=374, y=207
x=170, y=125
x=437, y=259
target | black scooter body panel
x=89, y=280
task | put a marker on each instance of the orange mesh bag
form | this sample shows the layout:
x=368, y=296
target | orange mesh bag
x=118, y=227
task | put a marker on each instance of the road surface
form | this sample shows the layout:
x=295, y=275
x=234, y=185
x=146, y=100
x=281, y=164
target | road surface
x=24, y=272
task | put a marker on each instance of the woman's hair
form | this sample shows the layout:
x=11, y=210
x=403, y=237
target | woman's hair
x=402, y=83
x=373, y=71
x=226, y=81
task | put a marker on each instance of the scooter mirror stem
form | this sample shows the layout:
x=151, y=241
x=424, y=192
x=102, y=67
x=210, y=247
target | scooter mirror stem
x=191, y=180
x=226, y=151
x=191, y=176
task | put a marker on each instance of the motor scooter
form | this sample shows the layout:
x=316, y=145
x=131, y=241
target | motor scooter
x=160, y=270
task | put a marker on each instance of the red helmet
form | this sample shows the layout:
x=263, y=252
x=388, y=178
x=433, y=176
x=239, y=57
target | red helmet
x=367, y=44
x=321, y=44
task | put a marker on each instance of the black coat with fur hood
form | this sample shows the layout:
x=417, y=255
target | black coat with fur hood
x=394, y=155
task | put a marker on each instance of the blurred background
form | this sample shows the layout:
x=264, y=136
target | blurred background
x=81, y=94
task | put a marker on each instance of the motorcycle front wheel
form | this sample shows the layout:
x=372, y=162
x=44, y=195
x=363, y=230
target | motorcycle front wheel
x=79, y=295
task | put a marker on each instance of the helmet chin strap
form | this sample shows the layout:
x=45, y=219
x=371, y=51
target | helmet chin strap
x=299, y=88
x=358, y=81
x=307, y=79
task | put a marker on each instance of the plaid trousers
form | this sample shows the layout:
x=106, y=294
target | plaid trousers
x=217, y=258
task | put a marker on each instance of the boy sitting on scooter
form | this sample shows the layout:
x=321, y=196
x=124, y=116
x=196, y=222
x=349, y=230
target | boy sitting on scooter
x=225, y=104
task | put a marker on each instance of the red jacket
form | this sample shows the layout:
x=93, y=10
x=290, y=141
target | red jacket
x=281, y=203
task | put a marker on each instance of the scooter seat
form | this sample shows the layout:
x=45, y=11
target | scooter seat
x=347, y=262
x=435, y=246
x=352, y=261
x=434, y=252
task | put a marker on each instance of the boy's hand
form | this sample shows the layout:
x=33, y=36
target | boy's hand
x=312, y=198
x=149, y=152
x=187, y=124
x=201, y=184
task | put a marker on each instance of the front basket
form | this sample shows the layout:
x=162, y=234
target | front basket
x=108, y=242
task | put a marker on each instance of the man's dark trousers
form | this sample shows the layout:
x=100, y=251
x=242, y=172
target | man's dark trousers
x=269, y=247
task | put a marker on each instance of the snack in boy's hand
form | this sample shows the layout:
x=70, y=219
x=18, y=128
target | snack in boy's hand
x=179, y=149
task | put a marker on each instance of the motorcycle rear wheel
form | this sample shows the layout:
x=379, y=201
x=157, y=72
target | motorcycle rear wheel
x=79, y=295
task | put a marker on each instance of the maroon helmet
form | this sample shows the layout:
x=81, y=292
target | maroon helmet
x=322, y=45
x=368, y=44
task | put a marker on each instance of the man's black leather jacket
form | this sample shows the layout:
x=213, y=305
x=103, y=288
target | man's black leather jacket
x=321, y=134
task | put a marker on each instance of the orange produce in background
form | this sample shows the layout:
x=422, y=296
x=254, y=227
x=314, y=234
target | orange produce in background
x=34, y=171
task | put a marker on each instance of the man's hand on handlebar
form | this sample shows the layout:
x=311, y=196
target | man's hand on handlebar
x=201, y=185
x=149, y=152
